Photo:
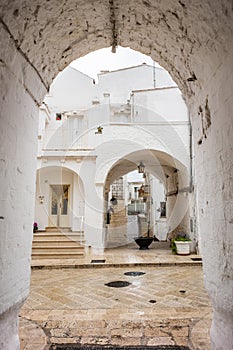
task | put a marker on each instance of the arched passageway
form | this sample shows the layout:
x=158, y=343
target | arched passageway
x=172, y=174
x=193, y=41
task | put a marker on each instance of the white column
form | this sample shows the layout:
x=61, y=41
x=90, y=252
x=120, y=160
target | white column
x=177, y=208
x=214, y=170
x=78, y=214
x=94, y=205
x=18, y=147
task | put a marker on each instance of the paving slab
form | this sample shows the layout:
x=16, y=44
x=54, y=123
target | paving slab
x=75, y=305
x=159, y=254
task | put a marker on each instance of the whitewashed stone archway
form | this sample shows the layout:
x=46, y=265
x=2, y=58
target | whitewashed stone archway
x=193, y=41
x=169, y=171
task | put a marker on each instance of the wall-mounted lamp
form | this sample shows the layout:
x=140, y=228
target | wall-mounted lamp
x=141, y=168
x=99, y=130
x=41, y=199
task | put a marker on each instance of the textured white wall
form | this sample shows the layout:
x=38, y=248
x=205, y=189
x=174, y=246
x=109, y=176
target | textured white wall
x=214, y=166
x=72, y=89
x=18, y=137
x=161, y=105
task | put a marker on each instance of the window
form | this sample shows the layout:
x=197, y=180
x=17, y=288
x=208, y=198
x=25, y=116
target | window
x=162, y=209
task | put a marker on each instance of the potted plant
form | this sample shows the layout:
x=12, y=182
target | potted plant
x=35, y=227
x=181, y=245
x=145, y=239
x=144, y=242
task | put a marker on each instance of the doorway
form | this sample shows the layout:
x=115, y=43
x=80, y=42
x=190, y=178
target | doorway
x=59, y=206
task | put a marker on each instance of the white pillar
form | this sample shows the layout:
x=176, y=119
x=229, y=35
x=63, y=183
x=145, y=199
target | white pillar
x=94, y=205
x=177, y=208
x=214, y=168
x=18, y=147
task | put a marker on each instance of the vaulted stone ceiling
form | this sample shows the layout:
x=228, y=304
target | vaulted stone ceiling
x=181, y=35
x=156, y=163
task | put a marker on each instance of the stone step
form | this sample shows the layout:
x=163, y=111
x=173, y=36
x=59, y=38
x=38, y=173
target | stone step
x=57, y=255
x=121, y=218
x=119, y=225
x=119, y=215
x=58, y=229
x=49, y=243
x=118, y=220
x=119, y=210
x=52, y=249
x=55, y=244
x=57, y=235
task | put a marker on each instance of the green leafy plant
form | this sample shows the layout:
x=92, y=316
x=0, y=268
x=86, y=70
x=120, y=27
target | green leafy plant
x=173, y=246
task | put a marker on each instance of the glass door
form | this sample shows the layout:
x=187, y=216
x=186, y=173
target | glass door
x=59, y=207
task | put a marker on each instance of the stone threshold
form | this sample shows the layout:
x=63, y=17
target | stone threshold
x=117, y=265
x=97, y=347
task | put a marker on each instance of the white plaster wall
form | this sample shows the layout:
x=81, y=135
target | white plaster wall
x=72, y=90
x=18, y=138
x=132, y=228
x=121, y=82
x=159, y=105
x=119, y=141
x=158, y=195
x=94, y=205
x=69, y=90
x=78, y=205
x=44, y=119
x=214, y=165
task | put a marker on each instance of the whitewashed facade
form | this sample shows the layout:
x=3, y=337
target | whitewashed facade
x=141, y=116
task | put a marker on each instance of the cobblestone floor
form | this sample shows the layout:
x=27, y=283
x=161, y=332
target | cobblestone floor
x=165, y=306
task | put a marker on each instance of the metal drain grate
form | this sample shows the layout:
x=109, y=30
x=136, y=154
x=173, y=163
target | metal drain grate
x=196, y=259
x=134, y=273
x=97, y=261
x=98, y=347
x=117, y=284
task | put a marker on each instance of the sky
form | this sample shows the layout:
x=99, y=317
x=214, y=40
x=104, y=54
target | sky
x=104, y=59
x=134, y=176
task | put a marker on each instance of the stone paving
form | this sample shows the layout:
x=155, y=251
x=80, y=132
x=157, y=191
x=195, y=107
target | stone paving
x=166, y=306
x=158, y=254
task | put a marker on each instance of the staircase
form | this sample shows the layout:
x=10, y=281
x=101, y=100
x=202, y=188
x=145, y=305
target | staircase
x=56, y=244
x=117, y=229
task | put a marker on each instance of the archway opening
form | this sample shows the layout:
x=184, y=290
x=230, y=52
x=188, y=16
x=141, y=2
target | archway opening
x=182, y=36
x=130, y=108
x=161, y=171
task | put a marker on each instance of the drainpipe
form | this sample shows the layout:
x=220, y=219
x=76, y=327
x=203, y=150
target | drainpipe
x=193, y=220
x=190, y=155
x=154, y=76
x=132, y=107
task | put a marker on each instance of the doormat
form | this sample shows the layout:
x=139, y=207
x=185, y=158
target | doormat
x=98, y=347
x=97, y=261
